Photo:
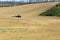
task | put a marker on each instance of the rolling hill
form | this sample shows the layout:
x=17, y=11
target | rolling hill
x=30, y=26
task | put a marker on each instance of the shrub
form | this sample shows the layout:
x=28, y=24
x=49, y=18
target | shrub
x=54, y=11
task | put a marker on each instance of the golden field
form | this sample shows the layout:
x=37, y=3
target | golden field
x=30, y=26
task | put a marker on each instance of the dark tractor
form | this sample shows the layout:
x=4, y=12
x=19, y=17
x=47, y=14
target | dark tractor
x=17, y=16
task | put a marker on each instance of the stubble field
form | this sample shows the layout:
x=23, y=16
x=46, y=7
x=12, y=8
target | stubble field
x=30, y=26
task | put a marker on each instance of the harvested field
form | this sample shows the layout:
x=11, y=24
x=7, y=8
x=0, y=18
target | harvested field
x=30, y=26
